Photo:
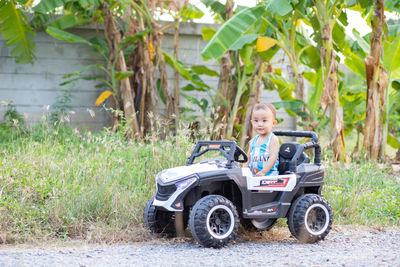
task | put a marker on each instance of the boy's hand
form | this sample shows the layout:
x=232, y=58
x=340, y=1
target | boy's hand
x=261, y=173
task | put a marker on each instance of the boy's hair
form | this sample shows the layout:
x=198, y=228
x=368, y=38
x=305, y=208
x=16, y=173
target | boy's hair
x=265, y=106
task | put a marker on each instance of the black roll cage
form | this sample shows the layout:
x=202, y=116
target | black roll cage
x=310, y=144
x=232, y=152
x=228, y=149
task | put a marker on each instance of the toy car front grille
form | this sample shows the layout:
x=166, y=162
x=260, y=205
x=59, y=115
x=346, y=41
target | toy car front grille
x=165, y=191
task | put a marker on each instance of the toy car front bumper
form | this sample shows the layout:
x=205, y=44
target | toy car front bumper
x=175, y=201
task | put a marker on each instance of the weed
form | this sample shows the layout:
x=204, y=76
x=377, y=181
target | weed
x=62, y=108
x=13, y=123
x=61, y=183
x=364, y=194
x=64, y=185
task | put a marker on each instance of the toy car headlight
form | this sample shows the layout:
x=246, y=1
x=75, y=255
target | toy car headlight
x=185, y=183
x=159, y=176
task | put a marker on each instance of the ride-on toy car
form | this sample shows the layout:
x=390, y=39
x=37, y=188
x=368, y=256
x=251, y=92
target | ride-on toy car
x=215, y=195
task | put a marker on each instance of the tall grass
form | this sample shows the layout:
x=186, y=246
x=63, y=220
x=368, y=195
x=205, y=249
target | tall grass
x=363, y=193
x=60, y=183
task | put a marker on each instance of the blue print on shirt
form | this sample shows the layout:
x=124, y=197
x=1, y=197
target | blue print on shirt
x=260, y=155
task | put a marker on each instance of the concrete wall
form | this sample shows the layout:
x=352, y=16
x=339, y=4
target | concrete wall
x=34, y=88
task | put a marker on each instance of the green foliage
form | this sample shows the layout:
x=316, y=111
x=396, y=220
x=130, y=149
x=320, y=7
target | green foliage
x=133, y=38
x=111, y=76
x=70, y=37
x=45, y=6
x=232, y=31
x=13, y=123
x=190, y=12
x=62, y=107
x=189, y=73
x=280, y=7
x=16, y=31
x=364, y=194
x=217, y=8
x=61, y=183
x=391, y=59
x=207, y=33
x=69, y=21
x=196, y=83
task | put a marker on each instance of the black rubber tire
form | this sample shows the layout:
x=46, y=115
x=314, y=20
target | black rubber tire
x=247, y=225
x=214, y=221
x=251, y=226
x=310, y=218
x=265, y=224
x=159, y=221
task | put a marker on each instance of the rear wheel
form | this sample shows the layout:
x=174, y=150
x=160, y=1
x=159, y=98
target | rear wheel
x=310, y=218
x=257, y=224
x=159, y=221
x=264, y=224
x=214, y=221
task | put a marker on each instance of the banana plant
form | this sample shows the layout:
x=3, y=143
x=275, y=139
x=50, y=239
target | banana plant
x=110, y=77
x=298, y=48
x=394, y=118
x=19, y=20
x=238, y=35
x=326, y=15
x=196, y=83
x=355, y=52
x=180, y=11
x=378, y=77
x=391, y=62
x=133, y=39
x=16, y=30
x=275, y=28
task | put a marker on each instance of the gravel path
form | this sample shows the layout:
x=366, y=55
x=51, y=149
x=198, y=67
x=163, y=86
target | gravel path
x=344, y=247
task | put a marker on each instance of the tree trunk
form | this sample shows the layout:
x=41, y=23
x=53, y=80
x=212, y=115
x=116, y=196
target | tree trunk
x=176, y=73
x=376, y=82
x=161, y=65
x=113, y=37
x=225, y=95
x=330, y=94
x=143, y=78
x=127, y=98
x=300, y=95
x=257, y=86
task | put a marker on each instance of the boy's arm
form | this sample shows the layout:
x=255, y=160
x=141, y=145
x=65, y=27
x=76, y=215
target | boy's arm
x=247, y=164
x=273, y=154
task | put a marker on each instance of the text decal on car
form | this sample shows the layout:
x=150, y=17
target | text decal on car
x=272, y=182
x=280, y=182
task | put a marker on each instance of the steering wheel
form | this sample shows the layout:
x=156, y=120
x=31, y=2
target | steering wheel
x=239, y=152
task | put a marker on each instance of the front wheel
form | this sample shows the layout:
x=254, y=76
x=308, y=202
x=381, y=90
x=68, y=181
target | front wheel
x=159, y=221
x=310, y=218
x=214, y=221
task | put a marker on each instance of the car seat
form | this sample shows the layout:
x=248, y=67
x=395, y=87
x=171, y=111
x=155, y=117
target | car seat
x=286, y=153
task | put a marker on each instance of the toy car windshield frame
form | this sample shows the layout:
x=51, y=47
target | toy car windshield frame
x=228, y=149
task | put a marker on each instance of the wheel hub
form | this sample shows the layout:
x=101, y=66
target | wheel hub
x=220, y=222
x=316, y=219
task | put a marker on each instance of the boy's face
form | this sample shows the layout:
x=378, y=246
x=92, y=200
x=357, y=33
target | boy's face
x=263, y=121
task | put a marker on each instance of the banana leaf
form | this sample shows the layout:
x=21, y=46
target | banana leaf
x=391, y=58
x=17, y=32
x=232, y=31
x=69, y=21
x=45, y=6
